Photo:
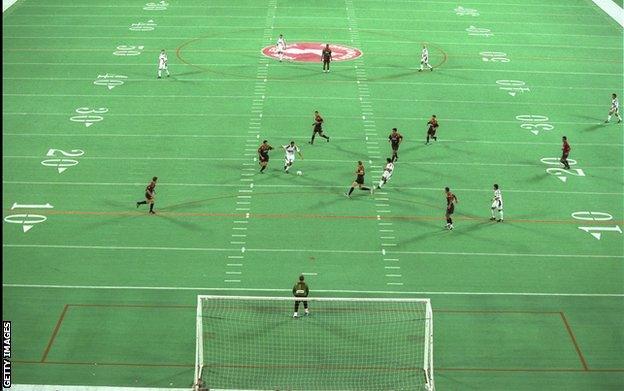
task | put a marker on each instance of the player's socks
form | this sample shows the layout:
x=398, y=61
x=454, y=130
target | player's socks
x=325, y=137
x=307, y=312
x=152, y=207
x=381, y=183
x=141, y=203
x=295, y=315
x=500, y=212
x=350, y=191
x=493, y=215
x=427, y=142
x=262, y=169
x=312, y=141
x=159, y=74
x=365, y=188
x=435, y=138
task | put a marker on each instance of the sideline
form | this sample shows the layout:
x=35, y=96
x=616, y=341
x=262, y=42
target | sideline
x=612, y=9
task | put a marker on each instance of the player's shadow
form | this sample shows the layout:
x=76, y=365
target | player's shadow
x=181, y=223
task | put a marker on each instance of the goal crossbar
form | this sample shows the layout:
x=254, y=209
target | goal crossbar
x=421, y=308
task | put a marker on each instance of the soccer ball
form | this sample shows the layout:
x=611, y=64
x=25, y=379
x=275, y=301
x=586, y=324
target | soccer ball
x=299, y=173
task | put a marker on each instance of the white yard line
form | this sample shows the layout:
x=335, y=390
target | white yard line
x=298, y=186
x=330, y=291
x=290, y=250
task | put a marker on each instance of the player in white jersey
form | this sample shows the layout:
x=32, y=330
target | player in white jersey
x=388, y=170
x=497, y=204
x=162, y=63
x=424, y=59
x=289, y=158
x=615, y=109
x=281, y=46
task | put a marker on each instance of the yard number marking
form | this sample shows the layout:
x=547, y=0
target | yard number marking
x=596, y=216
x=110, y=81
x=160, y=6
x=494, y=57
x=512, y=86
x=87, y=115
x=561, y=173
x=123, y=50
x=478, y=31
x=143, y=26
x=26, y=219
x=461, y=11
x=534, y=123
x=62, y=164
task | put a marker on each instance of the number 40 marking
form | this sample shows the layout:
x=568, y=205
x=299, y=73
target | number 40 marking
x=596, y=231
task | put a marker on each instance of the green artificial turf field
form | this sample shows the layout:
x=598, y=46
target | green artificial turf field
x=102, y=293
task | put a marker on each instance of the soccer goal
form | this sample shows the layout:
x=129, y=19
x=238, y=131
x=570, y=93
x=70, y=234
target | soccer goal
x=254, y=343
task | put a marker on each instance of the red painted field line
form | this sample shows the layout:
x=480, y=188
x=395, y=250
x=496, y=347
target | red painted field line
x=134, y=305
x=576, y=346
x=54, y=333
x=314, y=216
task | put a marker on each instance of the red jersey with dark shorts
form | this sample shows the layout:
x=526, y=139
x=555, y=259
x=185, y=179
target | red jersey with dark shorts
x=395, y=139
x=263, y=152
x=565, y=148
x=450, y=206
x=327, y=54
x=149, y=190
x=433, y=126
x=318, y=124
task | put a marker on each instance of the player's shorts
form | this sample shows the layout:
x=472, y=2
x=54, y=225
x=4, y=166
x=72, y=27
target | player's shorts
x=497, y=205
x=386, y=175
x=431, y=130
x=162, y=67
x=289, y=160
x=395, y=146
x=565, y=155
x=450, y=210
x=149, y=197
x=263, y=158
x=318, y=129
x=359, y=180
x=614, y=110
x=281, y=48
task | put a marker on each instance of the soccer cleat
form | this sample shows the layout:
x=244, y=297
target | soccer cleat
x=138, y=203
x=619, y=120
x=499, y=220
x=307, y=313
x=295, y=315
x=606, y=122
x=328, y=139
x=420, y=70
x=152, y=212
x=451, y=227
x=159, y=77
x=347, y=195
x=431, y=69
x=492, y=218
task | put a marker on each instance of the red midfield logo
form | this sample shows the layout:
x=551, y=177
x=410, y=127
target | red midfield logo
x=311, y=52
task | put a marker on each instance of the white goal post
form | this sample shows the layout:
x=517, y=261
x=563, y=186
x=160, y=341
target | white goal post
x=255, y=343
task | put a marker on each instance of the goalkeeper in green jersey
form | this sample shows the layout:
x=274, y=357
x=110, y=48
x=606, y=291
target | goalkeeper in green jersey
x=301, y=290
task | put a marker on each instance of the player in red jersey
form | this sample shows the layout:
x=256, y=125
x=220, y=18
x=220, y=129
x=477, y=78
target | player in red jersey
x=359, y=180
x=565, y=152
x=263, y=155
x=432, y=127
x=150, y=192
x=318, y=127
x=326, y=57
x=395, y=138
x=451, y=200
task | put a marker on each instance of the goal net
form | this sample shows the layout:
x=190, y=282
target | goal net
x=254, y=343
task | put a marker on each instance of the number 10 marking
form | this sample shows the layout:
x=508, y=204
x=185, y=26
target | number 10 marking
x=596, y=216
